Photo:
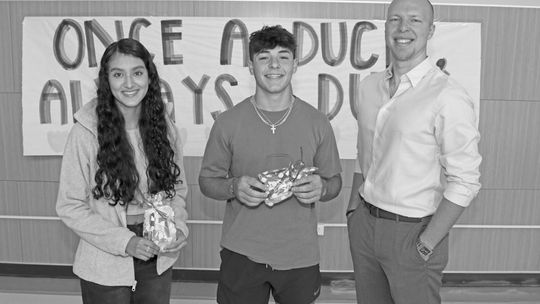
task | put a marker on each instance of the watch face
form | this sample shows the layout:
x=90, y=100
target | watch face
x=423, y=249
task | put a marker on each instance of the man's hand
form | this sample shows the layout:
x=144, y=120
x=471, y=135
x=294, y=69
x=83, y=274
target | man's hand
x=309, y=189
x=249, y=191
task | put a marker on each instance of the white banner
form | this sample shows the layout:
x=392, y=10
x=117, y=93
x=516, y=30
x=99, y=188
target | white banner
x=202, y=64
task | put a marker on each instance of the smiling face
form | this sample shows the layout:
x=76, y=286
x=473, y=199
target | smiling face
x=273, y=69
x=128, y=80
x=408, y=27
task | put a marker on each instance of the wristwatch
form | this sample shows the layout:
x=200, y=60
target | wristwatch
x=232, y=186
x=423, y=249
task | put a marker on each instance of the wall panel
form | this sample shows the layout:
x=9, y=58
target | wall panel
x=510, y=48
x=9, y=198
x=494, y=250
x=335, y=252
x=206, y=247
x=14, y=165
x=11, y=249
x=49, y=242
x=503, y=207
x=510, y=144
x=204, y=208
x=37, y=198
x=7, y=83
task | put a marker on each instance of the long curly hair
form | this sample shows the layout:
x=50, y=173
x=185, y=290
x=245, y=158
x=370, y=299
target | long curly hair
x=117, y=178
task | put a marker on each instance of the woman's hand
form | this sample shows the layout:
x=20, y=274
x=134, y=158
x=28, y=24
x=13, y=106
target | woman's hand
x=180, y=242
x=141, y=248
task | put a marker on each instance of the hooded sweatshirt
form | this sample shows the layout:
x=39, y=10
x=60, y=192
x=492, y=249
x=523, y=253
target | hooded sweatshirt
x=101, y=253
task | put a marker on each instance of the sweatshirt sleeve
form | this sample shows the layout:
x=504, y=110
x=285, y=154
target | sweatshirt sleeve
x=102, y=229
x=178, y=202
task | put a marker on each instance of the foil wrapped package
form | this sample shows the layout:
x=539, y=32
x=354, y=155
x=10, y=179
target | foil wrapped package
x=159, y=226
x=278, y=182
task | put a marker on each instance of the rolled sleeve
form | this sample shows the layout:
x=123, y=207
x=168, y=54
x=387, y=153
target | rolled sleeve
x=458, y=139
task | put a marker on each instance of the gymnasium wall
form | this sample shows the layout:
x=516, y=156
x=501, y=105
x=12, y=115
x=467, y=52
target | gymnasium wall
x=498, y=233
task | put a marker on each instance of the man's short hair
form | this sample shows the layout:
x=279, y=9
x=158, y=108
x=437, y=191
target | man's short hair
x=269, y=37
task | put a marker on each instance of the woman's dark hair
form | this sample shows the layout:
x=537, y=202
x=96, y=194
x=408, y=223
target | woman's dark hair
x=269, y=37
x=117, y=177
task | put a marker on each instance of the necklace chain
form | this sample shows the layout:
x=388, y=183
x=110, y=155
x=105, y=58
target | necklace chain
x=267, y=121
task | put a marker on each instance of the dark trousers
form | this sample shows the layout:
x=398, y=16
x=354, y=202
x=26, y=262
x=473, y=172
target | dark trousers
x=151, y=288
x=387, y=267
x=243, y=281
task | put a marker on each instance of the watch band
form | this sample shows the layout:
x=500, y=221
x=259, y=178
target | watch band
x=232, y=187
x=423, y=249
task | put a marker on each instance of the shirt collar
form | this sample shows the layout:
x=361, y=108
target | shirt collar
x=416, y=74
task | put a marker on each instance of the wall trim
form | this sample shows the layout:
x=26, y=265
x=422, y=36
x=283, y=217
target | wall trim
x=453, y=279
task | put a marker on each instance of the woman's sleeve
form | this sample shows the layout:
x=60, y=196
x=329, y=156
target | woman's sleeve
x=74, y=194
x=178, y=202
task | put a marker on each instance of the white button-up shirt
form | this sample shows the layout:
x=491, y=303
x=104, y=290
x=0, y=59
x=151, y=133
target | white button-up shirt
x=419, y=145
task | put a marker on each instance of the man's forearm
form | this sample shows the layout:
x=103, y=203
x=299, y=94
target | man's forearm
x=354, y=199
x=442, y=221
x=333, y=186
x=218, y=188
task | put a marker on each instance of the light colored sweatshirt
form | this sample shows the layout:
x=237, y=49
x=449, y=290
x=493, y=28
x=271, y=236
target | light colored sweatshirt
x=101, y=254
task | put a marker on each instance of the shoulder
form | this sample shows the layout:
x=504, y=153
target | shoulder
x=307, y=109
x=373, y=79
x=236, y=111
x=80, y=141
x=453, y=94
x=81, y=133
x=87, y=116
x=233, y=116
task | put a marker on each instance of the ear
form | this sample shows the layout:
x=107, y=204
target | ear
x=250, y=66
x=295, y=64
x=431, y=31
x=169, y=107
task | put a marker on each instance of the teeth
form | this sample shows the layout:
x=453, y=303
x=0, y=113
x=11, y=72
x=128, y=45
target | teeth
x=403, y=40
x=130, y=93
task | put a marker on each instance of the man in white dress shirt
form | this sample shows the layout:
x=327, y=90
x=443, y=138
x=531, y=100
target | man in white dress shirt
x=417, y=166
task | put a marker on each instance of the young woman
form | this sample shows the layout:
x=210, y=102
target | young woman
x=122, y=148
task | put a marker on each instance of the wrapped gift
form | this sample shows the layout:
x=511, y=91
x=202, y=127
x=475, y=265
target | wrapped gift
x=278, y=182
x=159, y=226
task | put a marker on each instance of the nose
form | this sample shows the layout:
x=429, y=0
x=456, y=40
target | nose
x=403, y=26
x=128, y=82
x=274, y=62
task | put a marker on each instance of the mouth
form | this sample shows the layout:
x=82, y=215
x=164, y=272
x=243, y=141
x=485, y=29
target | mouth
x=273, y=75
x=130, y=93
x=403, y=41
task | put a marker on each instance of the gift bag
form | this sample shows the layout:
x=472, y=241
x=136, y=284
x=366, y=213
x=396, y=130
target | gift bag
x=278, y=182
x=159, y=226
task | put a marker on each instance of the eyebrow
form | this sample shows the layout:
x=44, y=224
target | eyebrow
x=265, y=51
x=120, y=69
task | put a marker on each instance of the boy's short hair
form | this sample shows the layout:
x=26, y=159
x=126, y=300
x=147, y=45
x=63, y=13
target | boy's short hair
x=268, y=38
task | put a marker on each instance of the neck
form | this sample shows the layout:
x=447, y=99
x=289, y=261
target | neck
x=131, y=119
x=400, y=68
x=273, y=102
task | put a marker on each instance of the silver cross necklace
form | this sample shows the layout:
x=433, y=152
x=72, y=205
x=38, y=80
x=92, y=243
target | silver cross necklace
x=267, y=121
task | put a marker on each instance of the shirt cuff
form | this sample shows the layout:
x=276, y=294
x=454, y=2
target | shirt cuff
x=460, y=194
x=357, y=168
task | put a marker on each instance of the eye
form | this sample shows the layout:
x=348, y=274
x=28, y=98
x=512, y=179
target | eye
x=116, y=74
x=139, y=73
x=393, y=19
